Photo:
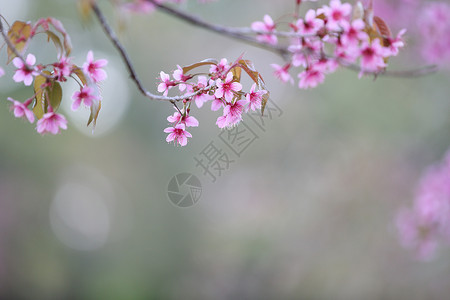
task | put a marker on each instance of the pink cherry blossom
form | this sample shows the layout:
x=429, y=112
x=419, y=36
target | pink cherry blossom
x=86, y=95
x=139, y=6
x=188, y=121
x=337, y=14
x=353, y=32
x=254, y=98
x=417, y=235
x=310, y=25
x=394, y=44
x=220, y=68
x=311, y=77
x=398, y=13
x=62, y=68
x=94, y=68
x=423, y=226
x=217, y=104
x=25, y=71
x=434, y=27
x=201, y=98
x=227, y=88
x=21, y=110
x=267, y=26
x=2, y=72
x=306, y=53
x=299, y=57
x=51, y=122
x=372, y=56
x=281, y=72
x=166, y=84
x=232, y=114
x=178, y=134
x=178, y=75
x=326, y=65
x=348, y=53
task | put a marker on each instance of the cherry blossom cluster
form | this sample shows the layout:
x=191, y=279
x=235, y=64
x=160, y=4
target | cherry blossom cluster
x=330, y=36
x=220, y=86
x=434, y=27
x=47, y=78
x=423, y=226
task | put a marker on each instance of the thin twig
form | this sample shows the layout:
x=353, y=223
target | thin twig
x=412, y=73
x=17, y=54
x=236, y=33
x=123, y=53
x=9, y=43
x=425, y=70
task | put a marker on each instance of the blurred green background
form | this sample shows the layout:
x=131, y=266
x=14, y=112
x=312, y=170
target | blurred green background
x=305, y=213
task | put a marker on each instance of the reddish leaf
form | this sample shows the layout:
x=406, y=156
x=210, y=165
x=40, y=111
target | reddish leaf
x=249, y=68
x=382, y=27
x=237, y=71
x=204, y=62
x=19, y=34
x=56, y=40
x=60, y=28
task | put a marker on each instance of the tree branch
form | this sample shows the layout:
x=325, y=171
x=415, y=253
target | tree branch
x=242, y=35
x=235, y=33
x=16, y=52
x=123, y=53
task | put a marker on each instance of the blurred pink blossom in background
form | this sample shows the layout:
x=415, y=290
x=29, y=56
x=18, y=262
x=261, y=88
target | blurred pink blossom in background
x=422, y=226
x=428, y=24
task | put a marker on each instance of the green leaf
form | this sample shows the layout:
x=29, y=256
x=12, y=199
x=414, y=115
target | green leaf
x=39, y=108
x=46, y=94
x=54, y=94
